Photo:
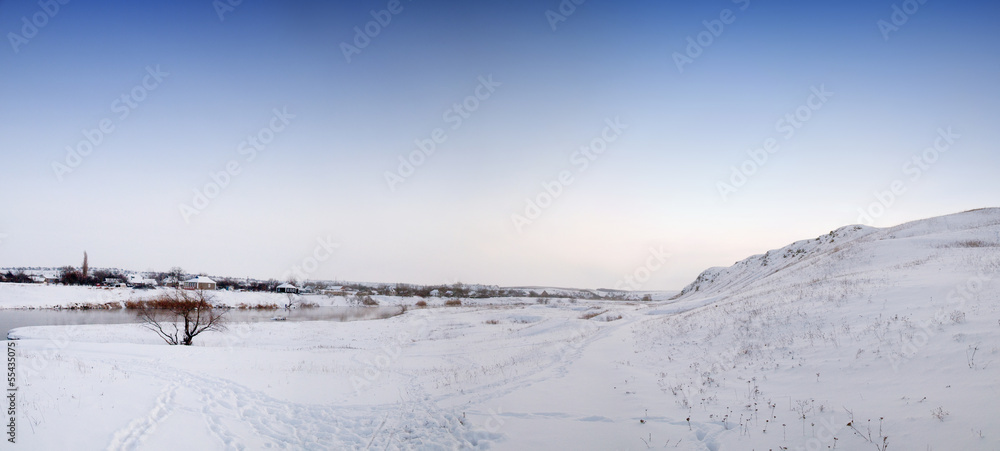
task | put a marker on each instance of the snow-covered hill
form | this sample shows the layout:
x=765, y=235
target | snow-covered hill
x=895, y=331
x=819, y=256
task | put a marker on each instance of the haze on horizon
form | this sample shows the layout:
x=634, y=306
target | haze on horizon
x=708, y=131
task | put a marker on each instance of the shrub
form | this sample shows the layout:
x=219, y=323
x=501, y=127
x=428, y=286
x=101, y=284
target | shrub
x=364, y=300
x=421, y=303
x=592, y=314
x=453, y=302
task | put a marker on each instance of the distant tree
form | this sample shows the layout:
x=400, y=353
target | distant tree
x=179, y=316
x=272, y=284
x=102, y=276
x=68, y=275
x=20, y=277
x=85, y=269
x=227, y=283
x=177, y=273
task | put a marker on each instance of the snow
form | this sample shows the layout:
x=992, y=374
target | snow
x=894, y=330
x=14, y=295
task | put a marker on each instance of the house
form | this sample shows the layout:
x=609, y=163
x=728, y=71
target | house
x=287, y=288
x=199, y=283
x=334, y=290
x=137, y=280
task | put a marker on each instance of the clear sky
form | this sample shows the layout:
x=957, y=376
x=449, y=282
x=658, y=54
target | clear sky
x=116, y=117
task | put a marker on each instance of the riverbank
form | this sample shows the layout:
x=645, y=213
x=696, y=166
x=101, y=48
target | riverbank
x=43, y=296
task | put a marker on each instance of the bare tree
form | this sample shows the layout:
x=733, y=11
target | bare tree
x=177, y=273
x=180, y=316
x=68, y=275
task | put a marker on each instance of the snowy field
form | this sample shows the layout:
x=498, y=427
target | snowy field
x=863, y=339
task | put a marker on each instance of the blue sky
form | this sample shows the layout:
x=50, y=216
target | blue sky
x=656, y=185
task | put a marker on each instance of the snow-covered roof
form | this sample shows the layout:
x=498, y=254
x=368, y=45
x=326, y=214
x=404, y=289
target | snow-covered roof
x=140, y=279
x=287, y=285
x=200, y=279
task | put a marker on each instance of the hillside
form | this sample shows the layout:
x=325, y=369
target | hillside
x=857, y=245
x=899, y=326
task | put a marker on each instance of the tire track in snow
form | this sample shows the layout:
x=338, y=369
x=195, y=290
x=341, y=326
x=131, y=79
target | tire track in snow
x=568, y=352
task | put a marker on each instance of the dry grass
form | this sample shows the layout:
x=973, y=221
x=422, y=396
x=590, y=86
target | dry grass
x=92, y=306
x=243, y=306
x=971, y=244
x=590, y=315
x=453, y=302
